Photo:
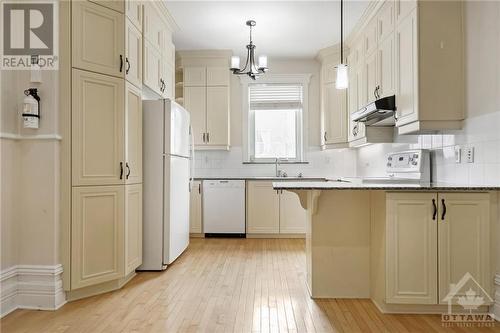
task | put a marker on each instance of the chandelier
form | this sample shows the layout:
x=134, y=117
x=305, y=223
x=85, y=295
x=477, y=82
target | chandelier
x=250, y=69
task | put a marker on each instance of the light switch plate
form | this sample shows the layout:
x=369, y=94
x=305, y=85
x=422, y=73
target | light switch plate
x=469, y=154
x=458, y=154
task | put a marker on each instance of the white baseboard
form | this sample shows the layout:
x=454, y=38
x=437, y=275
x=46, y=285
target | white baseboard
x=31, y=287
x=496, y=306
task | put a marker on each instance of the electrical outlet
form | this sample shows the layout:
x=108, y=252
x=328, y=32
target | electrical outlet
x=458, y=154
x=469, y=154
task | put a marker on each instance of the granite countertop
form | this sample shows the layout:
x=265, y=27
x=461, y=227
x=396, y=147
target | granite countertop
x=345, y=185
x=275, y=179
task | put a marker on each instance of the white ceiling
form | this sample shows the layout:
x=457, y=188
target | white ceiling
x=284, y=28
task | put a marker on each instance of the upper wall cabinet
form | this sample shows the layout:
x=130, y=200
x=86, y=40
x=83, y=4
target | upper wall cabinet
x=98, y=42
x=133, y=10
x=133, y=54
x=118, y=5
x=429, y=66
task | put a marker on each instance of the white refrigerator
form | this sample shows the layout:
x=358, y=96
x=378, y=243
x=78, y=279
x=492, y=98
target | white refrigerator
x=167, y=152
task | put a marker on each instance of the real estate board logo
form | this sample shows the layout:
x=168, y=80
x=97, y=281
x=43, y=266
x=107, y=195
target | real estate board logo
x=466, y=302
x=29, y=35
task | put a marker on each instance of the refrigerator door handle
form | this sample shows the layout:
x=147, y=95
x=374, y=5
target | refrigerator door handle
x=191, y=137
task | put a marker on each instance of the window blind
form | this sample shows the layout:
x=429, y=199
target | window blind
x=275, y=96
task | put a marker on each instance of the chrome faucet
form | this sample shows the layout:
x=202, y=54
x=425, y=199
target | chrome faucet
x=276, y=165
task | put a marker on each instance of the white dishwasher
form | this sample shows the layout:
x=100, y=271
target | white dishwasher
x=224, y=208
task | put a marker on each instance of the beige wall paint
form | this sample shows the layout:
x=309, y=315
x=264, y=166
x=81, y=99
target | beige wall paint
x=281, y=66
x=29, y=201
x=482, y=57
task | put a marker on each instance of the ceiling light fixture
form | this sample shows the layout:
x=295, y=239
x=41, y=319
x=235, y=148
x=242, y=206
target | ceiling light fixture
x=250, y=69
x=342, y=81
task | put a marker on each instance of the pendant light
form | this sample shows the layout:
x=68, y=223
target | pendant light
x=251, y=69
x=342, y=81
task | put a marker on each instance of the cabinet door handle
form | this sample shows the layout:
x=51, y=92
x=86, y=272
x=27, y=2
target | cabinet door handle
x=204, y=137
x=128, y=65
x=355, y=130
x=128, y=170
x=324, y=136
x=444, y=209
x=121, y=170
x=435, y=209
x=208, y=137
x=199, y=188
x=121, y=63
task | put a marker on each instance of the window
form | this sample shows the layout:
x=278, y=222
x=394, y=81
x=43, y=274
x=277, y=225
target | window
x=275, y=119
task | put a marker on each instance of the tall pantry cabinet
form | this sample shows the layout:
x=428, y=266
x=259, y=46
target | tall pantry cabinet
x=102, y=149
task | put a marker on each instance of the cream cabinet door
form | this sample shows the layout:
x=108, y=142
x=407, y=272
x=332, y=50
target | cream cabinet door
x=464, y=242
x=385, y=20
x=411, y=236
x=98, y=128
x=218, y=116
x=133, y=10
x=407, y=70
x=292, y=216
x=195, y=209
x=335, y=117
x=97, y=230
x=98, y=41
x=195, y=76
x=133, y=55
x=153, y=26
x=371, y=76
x=217, y=76
x=118, y=5
x=370, y=39
x=403, y=8
x=133, y=135
x=168, y=71
x=385, y=67
x=152, y=68
x=262, y=208
x=133, y=227
x=195, y=103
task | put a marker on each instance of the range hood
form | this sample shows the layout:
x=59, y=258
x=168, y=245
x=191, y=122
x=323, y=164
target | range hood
x=378, y=113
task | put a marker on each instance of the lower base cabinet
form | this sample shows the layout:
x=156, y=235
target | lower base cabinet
x=434, y=240
x=195, y=208
x=106, y=233
x=273, y=212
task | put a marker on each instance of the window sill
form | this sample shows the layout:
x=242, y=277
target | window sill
x=271, y=162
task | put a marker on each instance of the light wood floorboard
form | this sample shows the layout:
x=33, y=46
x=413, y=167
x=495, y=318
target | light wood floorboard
x=224, y=285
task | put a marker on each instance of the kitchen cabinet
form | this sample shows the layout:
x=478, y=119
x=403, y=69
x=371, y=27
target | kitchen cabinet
x=432, y=241
x=133, y=135
x=370, y=78
x=133, y=11
x=133, y=55
x=133, y=227
x=195, y=208
x=168, y=70
x=153, y=28
x=118, y=5
x=385, y=68
x=97, y=129
x=97, y=235
x=152, y=68
x=273, y=212
x=98, y=39
x=206, y=97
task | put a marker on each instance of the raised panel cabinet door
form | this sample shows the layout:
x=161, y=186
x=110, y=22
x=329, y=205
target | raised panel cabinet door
x=218, y=76
x=336, y=108
x=152, y=68
x=464, y=243
x=133, y=10
x=152, y=25
x=385, y=67
x=133, y=135
x=168, y=71
x=195, y=208
x=293, y=217
x=195, y=103
x=97, y=229
x=195, y=76
x=218, y=116
x=407, y=70
x=403, y=8
x=133, y=55
x=133, y=227
x=98, y=41
x=118, y=5
x=411, y=245
x=371, y=77
x=262, y=208
x=385, y=20
x=98, y=129
x=371, y=34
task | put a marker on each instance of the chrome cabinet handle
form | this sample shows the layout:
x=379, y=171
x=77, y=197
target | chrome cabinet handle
x=435, y=209
x=355, y=130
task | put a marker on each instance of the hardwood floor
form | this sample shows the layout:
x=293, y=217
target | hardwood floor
x=224, y=285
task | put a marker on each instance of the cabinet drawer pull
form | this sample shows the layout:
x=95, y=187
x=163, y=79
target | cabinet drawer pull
x=435, y=209
x=444, y=209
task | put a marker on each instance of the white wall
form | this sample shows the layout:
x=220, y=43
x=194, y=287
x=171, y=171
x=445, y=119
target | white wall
x=326, y=164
